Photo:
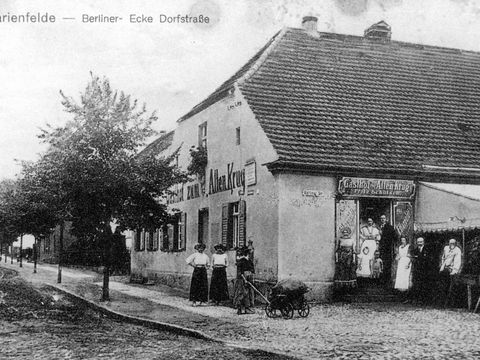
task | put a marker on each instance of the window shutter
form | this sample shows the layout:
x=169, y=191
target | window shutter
x=147, y=240
x=242, y=220
x=183, y=231
x=164, y=239
x=156, y=239
x=136, y=237
x=142, y=240
x=225, y=225
x=170, y=236
x=200, y=227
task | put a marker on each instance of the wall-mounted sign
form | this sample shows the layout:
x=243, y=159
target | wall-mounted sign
x=382, y=188
x=229, y=181
x=250, y=173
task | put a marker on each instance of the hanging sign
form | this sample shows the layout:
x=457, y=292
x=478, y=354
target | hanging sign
x=380, y=188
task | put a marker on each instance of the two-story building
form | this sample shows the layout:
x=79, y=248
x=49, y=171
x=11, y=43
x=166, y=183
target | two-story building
x=318, y=132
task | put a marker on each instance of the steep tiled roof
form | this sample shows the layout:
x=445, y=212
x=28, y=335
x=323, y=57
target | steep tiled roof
x=223, y=89
x=159, y=145
x=345, y=102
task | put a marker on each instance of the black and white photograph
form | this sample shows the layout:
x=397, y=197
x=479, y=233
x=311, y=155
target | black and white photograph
x=245, y=180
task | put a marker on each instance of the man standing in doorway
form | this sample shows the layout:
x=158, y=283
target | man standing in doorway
x=388, y=239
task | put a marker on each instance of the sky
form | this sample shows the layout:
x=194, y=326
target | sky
x=171, y=66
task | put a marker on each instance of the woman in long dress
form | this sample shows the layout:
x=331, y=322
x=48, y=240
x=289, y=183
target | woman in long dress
x=345, y=276
x=218, y=284
x=402, y=279
x=242, y=298
x=199, y=285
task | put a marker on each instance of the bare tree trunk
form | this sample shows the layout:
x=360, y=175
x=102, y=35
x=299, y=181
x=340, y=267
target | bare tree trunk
x=107, y=241
x=11, y=254
x=35, y=255
x=21, y=248
x=60, y=252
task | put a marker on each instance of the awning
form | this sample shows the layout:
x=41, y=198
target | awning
x=447, y=207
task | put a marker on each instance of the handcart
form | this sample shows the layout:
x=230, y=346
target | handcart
x=286, y=297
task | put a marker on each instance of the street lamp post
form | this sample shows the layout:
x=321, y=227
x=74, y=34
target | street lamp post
x=107, y=255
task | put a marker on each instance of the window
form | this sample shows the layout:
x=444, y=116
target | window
x=202, y=226
x=237, y=132
x=174, y=233
x=139, y=237
x=233, y=224
x=152, y=240
x=202, y=135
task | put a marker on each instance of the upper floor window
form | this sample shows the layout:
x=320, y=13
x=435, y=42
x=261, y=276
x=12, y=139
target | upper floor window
x=202, y=135
x=237, y=134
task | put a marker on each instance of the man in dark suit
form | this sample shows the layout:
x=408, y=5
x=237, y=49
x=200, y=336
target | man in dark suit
x=421, y=271
x=388, y=239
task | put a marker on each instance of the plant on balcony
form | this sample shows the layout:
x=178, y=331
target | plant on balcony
x=199, y=161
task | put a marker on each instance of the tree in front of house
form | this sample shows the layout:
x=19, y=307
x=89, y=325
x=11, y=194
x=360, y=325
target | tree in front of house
x=97, y=176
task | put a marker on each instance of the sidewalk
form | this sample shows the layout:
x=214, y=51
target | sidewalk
x=370, y=331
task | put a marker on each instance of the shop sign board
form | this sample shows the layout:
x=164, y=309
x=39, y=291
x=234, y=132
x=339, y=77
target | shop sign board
x=250, y=173
x=379, y=188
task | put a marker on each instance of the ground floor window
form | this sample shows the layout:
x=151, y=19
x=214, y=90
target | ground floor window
x=174, y=233
x=203, y=226
x=139, y=237
x=234, y=224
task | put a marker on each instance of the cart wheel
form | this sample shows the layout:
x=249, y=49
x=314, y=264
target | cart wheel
x=271, y=312
x=304, y=309
x=287, y=311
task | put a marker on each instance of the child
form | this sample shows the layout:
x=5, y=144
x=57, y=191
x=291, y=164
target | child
x=377, y=266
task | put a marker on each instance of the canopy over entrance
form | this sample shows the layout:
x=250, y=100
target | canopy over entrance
x=447, y=207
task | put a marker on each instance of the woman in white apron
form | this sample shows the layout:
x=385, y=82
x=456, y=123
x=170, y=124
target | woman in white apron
x=402, y=280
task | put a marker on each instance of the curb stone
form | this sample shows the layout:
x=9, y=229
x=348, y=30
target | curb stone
x=180, y=330
x=157, y=325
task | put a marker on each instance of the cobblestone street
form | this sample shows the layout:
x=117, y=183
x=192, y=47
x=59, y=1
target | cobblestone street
x=343, y=331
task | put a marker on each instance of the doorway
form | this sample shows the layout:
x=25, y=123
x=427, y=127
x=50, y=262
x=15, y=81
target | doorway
x=372, y=250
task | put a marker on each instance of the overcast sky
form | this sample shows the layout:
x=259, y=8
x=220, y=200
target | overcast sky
x=171, y=67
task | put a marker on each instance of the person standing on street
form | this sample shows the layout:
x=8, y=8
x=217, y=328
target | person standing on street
x=218, y=283
x=369, y=235
x=388, y=239
x=450, y=265
x=421, y=271
x=242, y=298
x=199, y=285
x=402, y=280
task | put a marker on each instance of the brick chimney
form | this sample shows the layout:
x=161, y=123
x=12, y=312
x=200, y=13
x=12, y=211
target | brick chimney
x=380, y=31
x=309, y=24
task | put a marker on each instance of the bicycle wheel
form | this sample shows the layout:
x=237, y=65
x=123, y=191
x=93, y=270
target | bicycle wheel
x=287, y=311
x=304, y=310
x=271, y=312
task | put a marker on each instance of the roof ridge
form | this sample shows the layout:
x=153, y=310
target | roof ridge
x=254, y=67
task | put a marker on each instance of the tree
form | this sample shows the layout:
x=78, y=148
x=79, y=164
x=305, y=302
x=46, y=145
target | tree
x=96, y=173
x=9, y=213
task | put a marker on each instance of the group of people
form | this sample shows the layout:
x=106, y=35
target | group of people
x=200, y=293
x=411, y=267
